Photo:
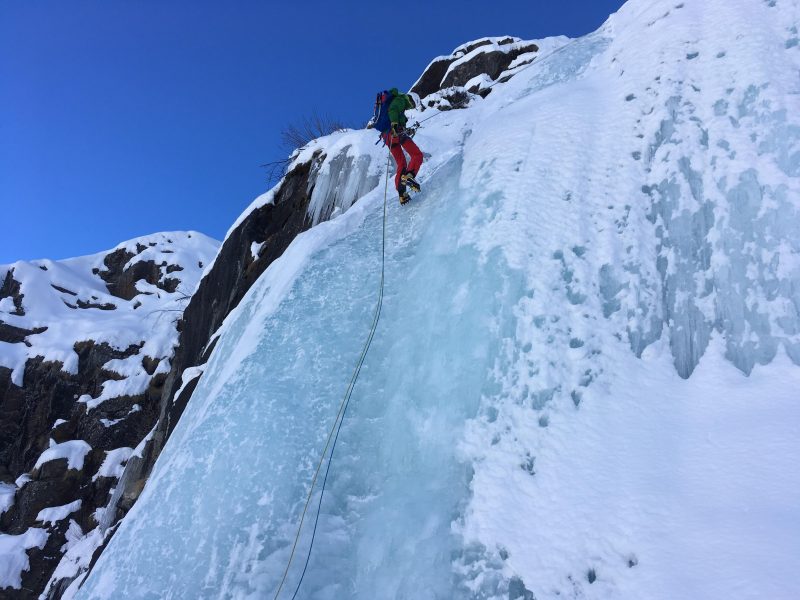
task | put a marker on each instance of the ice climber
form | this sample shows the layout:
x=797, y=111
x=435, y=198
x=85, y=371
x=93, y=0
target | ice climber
x=390, y=120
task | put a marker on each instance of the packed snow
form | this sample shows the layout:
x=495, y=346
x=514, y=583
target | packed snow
x=583, y=384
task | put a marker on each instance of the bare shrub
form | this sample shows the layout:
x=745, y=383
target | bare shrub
x=276, y=169
x=298, y=135
x=316, y=125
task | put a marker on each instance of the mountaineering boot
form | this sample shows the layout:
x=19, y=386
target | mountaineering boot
x=408, y=179
x=403, y=193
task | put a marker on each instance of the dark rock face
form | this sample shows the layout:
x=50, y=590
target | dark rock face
x=54, y=485
x=431, y=80
x=12, y=411
x=26, y=417
x=17, y=335
x=121, y=282
x=27, y=413
x=490, y=63
x=27, y=421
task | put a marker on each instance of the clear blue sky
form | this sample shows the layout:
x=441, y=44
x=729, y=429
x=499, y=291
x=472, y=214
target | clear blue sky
x=120, y=118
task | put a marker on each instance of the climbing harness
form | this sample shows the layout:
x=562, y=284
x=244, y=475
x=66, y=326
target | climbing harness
x=333, y=434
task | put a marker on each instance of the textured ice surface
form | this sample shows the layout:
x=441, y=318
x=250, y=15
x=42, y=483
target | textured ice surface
x=565, y=397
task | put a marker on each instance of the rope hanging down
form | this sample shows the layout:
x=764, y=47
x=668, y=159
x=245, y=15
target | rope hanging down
x=333, y=434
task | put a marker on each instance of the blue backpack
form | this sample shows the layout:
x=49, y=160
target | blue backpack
x=381, y=119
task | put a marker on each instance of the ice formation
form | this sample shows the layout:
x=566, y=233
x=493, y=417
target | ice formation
x=584, y=382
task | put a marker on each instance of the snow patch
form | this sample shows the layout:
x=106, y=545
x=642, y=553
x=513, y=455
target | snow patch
x=73, y=450
x=114, y=463
x=13, y=558
x=58, y=513
x=255, y=249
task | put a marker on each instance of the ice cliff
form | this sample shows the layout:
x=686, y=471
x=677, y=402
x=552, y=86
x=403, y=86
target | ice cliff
x=583, y=383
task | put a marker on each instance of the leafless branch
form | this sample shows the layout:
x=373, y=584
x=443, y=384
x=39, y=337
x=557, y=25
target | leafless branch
x=276, y=169
x=316, y=125
x=298, y=135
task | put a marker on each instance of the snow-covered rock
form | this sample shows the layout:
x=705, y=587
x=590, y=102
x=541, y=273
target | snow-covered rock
x=55, y=514
x=85, y=345
x=476, y=65
x=117, y=297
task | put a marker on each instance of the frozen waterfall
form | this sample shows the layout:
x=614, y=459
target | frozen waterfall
x=584, y=382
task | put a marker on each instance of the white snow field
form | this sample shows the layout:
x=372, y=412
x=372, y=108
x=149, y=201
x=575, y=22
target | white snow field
x=584, y=383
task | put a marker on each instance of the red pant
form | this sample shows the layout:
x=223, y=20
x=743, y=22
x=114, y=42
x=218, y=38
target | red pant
x=396, y=145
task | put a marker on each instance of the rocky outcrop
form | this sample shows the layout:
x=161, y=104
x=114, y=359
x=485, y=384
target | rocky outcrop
x=490, y=57
x=27, y=418
x=17, y=335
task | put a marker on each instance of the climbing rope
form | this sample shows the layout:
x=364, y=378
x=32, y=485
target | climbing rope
x=333, y=434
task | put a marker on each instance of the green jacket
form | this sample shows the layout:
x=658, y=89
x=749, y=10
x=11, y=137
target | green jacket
x=398, y=107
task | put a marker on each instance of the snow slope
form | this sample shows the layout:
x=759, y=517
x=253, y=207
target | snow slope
x=583, y=384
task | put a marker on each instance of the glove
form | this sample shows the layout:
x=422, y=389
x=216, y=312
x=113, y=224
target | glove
x=397, y=129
